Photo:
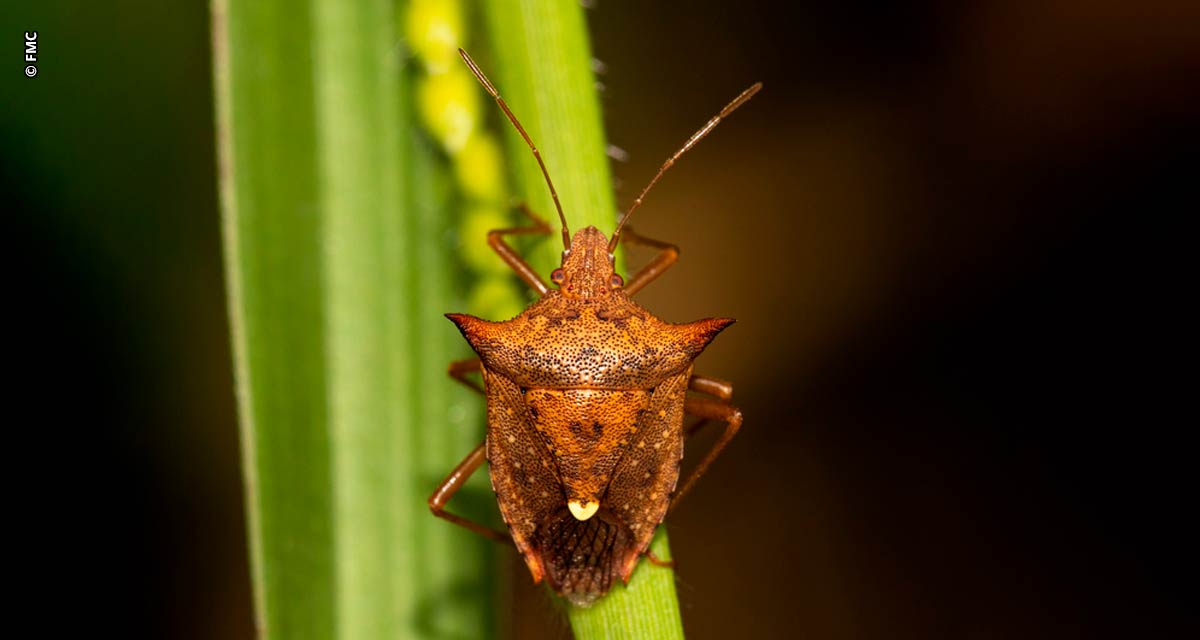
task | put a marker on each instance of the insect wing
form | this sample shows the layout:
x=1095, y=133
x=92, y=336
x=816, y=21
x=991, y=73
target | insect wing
x=524, y=475
x=640, y=489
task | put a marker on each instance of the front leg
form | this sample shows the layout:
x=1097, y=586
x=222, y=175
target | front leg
x=666, y=256
x=511, y=257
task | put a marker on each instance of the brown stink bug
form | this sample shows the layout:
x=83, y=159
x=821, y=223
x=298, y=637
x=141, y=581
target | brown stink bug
x=586, y=395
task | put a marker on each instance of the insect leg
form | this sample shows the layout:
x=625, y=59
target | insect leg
x=711, y=386
x=709, y=409
x=511, y=257
x=659, y=562
x=451, y=485
x=667, y=255
x=460, y=368
x=714, y=387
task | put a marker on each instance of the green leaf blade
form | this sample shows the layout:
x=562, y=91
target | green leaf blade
x=366, y=263
x=337, y=277
x=273, y=320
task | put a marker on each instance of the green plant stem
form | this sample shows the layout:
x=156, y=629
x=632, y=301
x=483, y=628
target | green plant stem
x=332, y=216
x=542, y=67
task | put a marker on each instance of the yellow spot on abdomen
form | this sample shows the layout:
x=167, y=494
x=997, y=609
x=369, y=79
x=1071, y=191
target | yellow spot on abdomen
x=583, y=510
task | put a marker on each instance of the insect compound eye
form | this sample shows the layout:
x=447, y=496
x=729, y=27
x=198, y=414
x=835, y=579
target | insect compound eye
x=616, y=281
x=557, y=276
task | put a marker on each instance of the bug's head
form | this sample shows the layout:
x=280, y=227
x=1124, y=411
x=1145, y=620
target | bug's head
x=587, y=267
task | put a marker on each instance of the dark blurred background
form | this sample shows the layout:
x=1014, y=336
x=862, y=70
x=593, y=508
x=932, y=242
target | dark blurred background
x=953, y=235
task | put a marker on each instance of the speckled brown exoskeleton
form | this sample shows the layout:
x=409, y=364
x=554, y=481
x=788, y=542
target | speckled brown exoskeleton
x=586, y=397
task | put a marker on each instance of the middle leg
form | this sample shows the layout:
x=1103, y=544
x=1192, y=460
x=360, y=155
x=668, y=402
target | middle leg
x=459, y=370
x=709, y=409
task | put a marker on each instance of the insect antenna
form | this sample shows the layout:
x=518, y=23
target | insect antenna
x=691, y=142
x=491, y=89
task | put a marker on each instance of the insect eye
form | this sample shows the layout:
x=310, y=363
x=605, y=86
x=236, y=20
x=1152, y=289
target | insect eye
x=616, y=281
x=557, y=276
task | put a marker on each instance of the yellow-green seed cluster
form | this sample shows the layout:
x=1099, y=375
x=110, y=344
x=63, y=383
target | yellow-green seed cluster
x=450, y=106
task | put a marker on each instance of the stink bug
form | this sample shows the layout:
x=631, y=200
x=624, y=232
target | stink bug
x=586, y=396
